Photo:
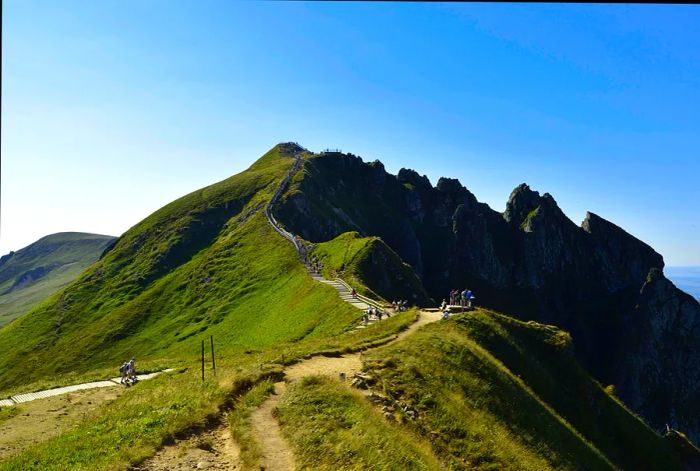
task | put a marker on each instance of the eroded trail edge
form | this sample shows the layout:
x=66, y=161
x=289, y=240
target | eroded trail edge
x=277, y=454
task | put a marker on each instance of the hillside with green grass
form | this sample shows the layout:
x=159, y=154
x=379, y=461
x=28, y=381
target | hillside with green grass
x=33, y=273
x=206, y=264
x=492, y=392
x=371, y=267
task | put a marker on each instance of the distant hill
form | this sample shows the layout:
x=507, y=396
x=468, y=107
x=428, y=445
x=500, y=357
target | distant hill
x=33, y=273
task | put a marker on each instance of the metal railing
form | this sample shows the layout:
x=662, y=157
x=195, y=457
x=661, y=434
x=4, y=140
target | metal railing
x=364, y=299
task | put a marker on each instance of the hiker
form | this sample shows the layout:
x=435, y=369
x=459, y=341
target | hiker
x=463, y=298
x=124, y=370
x=365, y=316
x=354, y=293
x=443, y=305
x=470, y=297
x=379, y=314
x=445, y=314
x=131, y=371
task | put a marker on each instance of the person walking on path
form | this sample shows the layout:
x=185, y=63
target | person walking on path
x=354, y=293
x=124, y=370
x=131, y=371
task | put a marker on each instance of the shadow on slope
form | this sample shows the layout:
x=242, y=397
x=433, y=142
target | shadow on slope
x=496, y=393
x=372, y=267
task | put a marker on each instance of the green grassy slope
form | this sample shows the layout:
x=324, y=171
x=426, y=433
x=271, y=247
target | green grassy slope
x=33, y=273
x=206, y=264
x=492, y=392
x=331, y=428
x=371, y=267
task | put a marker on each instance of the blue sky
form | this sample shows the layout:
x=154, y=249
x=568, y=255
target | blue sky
x=112, y=109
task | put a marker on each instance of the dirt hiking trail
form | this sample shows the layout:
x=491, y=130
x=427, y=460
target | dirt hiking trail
x=215, y=449
x=277, y=455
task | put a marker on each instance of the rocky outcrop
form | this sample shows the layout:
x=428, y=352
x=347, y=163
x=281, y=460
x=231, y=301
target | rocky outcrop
x=623, y=259
x=530, y=261
x=660, y=370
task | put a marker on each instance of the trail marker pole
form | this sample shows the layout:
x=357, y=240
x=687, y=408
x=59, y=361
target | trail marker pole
x=202, y=360
x=213, y=360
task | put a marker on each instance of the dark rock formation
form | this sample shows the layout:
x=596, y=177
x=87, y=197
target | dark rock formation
x=530, y=261
x=660, y=370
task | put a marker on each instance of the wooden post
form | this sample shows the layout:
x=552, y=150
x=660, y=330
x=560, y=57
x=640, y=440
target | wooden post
x=213, y=360
x=202, y=360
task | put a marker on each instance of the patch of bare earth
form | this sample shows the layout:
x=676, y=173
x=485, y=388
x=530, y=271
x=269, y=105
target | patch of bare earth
x=212, y=449
x=45, y=418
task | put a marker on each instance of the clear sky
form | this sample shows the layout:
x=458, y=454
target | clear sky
x=112, y=109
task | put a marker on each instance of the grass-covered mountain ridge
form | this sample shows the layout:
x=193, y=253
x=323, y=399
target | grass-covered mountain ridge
x=480, y=391
x=31, y=274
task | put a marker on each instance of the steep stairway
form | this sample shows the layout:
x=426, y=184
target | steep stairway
x=344, y=289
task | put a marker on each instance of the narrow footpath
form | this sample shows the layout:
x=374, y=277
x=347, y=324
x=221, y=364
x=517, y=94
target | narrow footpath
x=343, y=288
x=277, y=455
x=215, y=449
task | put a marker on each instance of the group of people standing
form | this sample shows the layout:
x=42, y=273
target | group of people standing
x=396, y=306
x=373, y=311
x=399, y=306
x=465, y=298
x=315, y=265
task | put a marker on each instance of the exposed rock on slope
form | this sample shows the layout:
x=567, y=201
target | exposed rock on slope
x=660, y=373
x=530, y=261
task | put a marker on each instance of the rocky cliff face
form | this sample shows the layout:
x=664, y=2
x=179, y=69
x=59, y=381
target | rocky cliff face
x=530, y=261
x=659, y=374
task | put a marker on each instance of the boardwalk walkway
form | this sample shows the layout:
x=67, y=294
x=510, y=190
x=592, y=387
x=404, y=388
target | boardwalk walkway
x=20, y=398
